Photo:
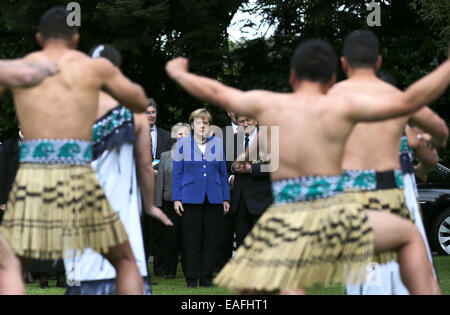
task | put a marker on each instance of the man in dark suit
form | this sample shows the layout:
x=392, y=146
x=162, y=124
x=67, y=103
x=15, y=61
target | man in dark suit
x=152, y=228
x=251, y=191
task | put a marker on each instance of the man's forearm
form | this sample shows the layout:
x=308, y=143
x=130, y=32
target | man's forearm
x=430, y=87
x=147, y=182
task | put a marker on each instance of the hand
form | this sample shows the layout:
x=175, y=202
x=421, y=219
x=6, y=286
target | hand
x=3, y=207
x=226, y=207
x=420, y=172
x=178, y=206
x=177, y=65
x=231, y=181
x=242, y=167
x=160, y=215
x=49, y=67
x=427, y=139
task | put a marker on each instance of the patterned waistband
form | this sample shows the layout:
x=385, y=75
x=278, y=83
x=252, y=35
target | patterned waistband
x=371, y=180
x=56, y=151
x=113, y=129
x=306, y=188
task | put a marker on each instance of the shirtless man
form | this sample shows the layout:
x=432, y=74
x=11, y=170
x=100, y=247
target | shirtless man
x=295, y=243
x=55, y=186
x=23, y=73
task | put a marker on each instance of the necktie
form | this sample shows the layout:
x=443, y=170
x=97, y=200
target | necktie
x=246, y=142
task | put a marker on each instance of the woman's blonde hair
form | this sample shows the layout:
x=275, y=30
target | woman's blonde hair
x=200, y=113
x=176, y=127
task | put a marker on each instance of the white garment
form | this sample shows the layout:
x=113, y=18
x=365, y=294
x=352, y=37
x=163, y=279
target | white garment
x=386, y=279
x=116, y=172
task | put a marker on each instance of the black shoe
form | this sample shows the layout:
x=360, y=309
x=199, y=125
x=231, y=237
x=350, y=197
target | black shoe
x=43, y=285
x=191, y=284
x=169, y=277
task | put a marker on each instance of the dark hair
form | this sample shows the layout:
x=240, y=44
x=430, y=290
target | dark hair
x=54, y=25
x=108, y=52
x=151, y=102
x=314, y=60
x=361, y=49
x=386, y=77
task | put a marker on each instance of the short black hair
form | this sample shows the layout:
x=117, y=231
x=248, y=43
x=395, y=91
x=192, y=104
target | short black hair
x=53, y=24
x=361, y=49
x=314, y=60
x=108, y=52
x=386, y=77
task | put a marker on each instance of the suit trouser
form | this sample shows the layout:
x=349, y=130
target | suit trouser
x=152, y=230
x=244, y=221
x=171, y=241
x=200, y=235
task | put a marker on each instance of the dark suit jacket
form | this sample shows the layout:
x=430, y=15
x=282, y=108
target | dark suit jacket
x=9, y=163
x=163, y=142
x=255, y=188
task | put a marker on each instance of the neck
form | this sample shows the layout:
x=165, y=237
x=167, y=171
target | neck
x=361, y=73
x=55, y=44
x=199, y=139
x=309, y=87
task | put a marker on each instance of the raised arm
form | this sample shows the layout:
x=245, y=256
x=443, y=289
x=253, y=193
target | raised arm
x=363, y=107
x=122, y=89
x=431, y=123
x=23, y=73
x=144, y=170
x=212, y=91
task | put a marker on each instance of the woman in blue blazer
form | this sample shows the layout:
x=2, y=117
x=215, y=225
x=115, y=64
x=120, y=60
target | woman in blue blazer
x=201, y=195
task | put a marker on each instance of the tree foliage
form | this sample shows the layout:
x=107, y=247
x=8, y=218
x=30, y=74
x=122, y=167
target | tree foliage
x=413, y=36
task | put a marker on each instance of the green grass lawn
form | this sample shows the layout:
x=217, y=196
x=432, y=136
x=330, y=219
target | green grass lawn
x=178, y=286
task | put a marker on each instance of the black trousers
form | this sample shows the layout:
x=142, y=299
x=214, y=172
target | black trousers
x=200, y=237
x=171, y=240
x=152, y=230
x=244, y=221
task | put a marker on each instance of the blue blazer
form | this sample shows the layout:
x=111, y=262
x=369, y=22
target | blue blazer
x=196, y=175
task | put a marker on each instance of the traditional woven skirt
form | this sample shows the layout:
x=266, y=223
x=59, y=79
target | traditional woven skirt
x=379, y=191
x=312, y=234
x=57, y=203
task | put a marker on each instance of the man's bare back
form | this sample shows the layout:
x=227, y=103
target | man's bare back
x=313, y=130
x=65, y=106
x=372, y=145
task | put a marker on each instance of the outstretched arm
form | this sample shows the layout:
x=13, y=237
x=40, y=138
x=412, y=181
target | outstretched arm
x=146, y=174
x=424, y=91
x=212, y=91
x=23, y=73
x=126, y=92
x=431, y=123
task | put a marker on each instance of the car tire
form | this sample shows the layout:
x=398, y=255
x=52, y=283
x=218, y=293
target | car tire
x=440, y=233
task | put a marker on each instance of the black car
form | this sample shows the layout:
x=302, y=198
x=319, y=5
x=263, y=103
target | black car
x=434, y=198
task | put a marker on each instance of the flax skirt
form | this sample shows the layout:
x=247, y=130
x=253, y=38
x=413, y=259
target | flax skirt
x=295, y=245
x=384, y=200
x=56, y=207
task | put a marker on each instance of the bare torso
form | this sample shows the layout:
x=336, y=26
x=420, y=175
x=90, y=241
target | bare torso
x=63, y=106
x=312, y=129
x=373, y=145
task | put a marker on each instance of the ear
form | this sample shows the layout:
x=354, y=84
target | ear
x=379, y=63
x=74, y=41
x=344, y=64
x=39, y=39
x=292, y=79
x=330, y=83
